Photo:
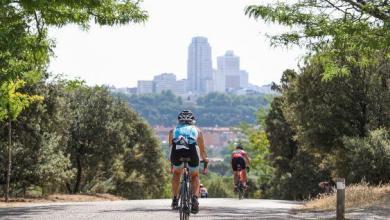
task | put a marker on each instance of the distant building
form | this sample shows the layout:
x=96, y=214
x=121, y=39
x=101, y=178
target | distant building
x=164, y=82
x=181, y=87
x=199, y=65
x=219, y=81
x=145, y=86
x=229, y=63
x=132, y=90
x=244, y=79
x=229, y=66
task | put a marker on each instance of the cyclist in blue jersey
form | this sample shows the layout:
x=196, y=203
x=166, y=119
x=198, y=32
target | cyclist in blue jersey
x=186, y=140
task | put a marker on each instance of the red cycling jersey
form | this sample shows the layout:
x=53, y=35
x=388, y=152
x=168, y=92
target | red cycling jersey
x=238, y=153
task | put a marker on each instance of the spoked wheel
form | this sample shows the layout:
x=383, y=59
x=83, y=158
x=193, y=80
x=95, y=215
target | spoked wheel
x=184, y=204
x=240, y=191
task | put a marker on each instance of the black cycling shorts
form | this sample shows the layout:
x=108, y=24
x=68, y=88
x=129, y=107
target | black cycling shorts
x=191, y=153
x=238, y=161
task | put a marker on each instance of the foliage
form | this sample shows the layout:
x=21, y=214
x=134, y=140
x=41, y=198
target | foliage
x=218, y=186
x=302, y=181
x=25, y=48
x=12, y=102
x=312, y=125
x=367, y=158
x=81, y=139
x=214, y=109
x=356, y=30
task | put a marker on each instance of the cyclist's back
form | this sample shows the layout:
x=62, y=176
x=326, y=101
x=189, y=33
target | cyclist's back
x=240, y=161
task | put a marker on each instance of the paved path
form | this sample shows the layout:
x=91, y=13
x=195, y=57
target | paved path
x=225, y=209
x=152, y=209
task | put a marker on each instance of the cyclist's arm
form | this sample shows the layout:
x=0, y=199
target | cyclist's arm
x=247, y=159
x=202, y=147
x=170, y=142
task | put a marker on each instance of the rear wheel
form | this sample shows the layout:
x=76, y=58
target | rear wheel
x=240, y=191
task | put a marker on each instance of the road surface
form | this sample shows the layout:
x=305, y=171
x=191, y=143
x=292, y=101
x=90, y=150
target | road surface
x=153, y=209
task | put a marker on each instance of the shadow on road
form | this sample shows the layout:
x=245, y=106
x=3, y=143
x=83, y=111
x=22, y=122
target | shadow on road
x=28, y=212
x=239, y=213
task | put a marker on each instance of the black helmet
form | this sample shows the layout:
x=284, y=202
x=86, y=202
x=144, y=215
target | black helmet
x=239, y=146
x=186, y=116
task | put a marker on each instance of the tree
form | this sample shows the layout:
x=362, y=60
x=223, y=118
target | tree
x=25, y=48
x=356, y=30
x=12, y=104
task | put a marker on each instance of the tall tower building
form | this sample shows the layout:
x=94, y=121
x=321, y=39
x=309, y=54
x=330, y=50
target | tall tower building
x=199, y=66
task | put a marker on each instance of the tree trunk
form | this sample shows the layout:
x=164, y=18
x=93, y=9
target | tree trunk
x=9, y=150
x=69, y=188
x=79, y=175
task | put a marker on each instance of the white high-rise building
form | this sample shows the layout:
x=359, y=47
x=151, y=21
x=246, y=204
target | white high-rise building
x=145, y=86
x=229, y=66
x=229, y=63
x=219, y=81
x=199, y=65
x=164, y=82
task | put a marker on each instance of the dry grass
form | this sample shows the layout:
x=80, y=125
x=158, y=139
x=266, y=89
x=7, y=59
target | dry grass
x=59, y=198
x=356, y=196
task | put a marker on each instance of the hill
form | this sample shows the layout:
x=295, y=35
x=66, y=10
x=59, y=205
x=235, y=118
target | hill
x=214, y=109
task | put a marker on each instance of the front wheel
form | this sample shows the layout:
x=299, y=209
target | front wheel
x=184, y=203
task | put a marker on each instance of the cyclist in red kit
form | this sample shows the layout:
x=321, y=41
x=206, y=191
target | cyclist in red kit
x=240, y=160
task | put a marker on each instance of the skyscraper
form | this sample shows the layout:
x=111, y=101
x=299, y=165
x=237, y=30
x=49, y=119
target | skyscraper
x=199, y=66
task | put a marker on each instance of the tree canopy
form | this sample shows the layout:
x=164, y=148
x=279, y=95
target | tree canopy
x=214, y=109
x=356, y=30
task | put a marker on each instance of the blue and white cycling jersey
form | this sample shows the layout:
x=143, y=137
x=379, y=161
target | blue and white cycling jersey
x=187, y=132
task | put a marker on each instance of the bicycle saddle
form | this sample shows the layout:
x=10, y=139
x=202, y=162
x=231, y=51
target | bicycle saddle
x=185, y=159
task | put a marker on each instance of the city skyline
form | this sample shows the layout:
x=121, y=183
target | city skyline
x=121, y=55
x=202, y=78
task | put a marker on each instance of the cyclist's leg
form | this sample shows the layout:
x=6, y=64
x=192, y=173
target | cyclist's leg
x=177, y=171
x=235, y=172
x=243, y=176
x=193, y=166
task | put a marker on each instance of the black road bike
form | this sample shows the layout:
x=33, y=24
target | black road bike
x=185, y=200
x=240, y=187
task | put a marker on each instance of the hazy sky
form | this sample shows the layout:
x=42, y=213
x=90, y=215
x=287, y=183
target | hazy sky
x=121, y=55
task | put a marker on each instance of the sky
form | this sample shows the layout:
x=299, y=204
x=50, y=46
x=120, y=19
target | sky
x=121, y=55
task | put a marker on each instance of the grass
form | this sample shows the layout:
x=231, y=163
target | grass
x=356, y=196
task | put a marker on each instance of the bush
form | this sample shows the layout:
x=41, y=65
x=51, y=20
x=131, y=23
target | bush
x=367, y=158
x=218, y=186
x=302, y=182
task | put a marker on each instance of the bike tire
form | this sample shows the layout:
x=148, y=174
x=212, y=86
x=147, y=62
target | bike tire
x=240, y=191
x=184, y=203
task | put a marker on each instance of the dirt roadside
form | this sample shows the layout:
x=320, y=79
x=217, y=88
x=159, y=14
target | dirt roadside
x=20, y=202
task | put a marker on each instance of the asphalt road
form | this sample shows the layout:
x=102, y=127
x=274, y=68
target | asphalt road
x=154, y=209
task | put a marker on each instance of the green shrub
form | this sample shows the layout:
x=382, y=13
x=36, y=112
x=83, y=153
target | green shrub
x=367, y=158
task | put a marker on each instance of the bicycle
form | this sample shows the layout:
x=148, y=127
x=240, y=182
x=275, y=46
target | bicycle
x=240, y=186
x=185, y=201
